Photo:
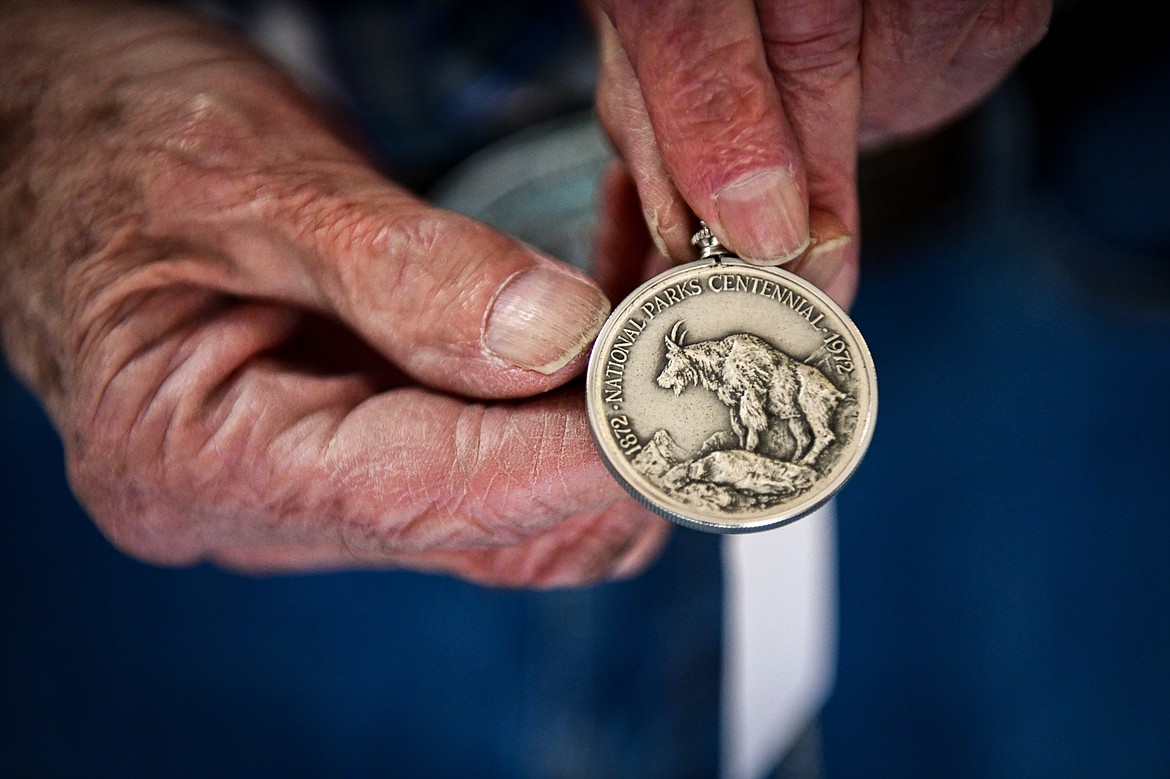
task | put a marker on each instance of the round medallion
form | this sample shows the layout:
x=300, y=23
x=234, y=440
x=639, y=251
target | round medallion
x=730, y=397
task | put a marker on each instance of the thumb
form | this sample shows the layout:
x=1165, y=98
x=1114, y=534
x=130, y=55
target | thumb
x=452, y=302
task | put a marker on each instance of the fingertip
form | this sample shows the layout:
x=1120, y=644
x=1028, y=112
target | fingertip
x=843, y=287
x=645, y=548
x=831, y=260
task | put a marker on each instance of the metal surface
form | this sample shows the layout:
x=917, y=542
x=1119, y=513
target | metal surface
x=730, y=397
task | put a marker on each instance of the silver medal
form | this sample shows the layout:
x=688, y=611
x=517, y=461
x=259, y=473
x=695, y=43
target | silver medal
x=730, y=397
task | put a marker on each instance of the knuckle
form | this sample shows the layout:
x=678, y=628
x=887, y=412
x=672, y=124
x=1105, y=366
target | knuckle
x=137, y=460
x=821, y=52
x=493, y=462
x=335, y=224
x=718, y=122
x=1009, y=29
x=218, y=157
x=418, y=233
x=434, y=494
x=414, y=261
x=127, y=504
x=496, y=462
x=206, y=128
x=916, y=34
x=929, y=32
x=723, y=93
x=725, y=128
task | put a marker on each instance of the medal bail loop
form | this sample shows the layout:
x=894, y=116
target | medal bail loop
x=708, y=245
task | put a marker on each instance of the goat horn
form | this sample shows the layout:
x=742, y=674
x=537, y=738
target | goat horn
x=676, y=336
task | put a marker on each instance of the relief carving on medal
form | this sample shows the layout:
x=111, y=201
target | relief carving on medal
x=730, y=398
x=782, y=414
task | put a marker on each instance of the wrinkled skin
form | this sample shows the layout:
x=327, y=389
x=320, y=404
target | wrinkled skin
x=260, y=353
x=703, y=98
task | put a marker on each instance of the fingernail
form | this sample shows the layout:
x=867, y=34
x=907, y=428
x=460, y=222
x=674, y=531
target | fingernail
x=829, y=243
x=653, y=223
x=763, y=217
x=671, y=237
x=824, y=260
x=543, y=318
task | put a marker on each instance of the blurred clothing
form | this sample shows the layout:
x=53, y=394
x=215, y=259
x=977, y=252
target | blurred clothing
x=1003, y=549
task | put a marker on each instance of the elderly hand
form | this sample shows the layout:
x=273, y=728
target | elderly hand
x=750, y=114
x=258, y=352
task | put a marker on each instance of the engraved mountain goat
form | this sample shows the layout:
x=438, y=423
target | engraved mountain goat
x=759, y=384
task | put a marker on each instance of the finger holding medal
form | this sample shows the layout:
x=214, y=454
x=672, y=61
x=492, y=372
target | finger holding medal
x=750, y=115
x=727, y=395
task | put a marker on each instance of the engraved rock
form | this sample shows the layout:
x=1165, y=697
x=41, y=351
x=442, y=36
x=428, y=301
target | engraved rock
x=724, y=439
x=763, y=380
x=709, y=496
x=658, y=456
x=725, y=479
x=752, y=473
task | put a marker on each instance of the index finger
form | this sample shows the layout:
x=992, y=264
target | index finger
x=719, y=121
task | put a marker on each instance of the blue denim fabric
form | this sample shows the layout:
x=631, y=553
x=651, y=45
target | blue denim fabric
x=1004, y=608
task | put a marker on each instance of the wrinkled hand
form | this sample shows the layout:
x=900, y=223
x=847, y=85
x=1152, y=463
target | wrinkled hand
x=750, y=114
x=258, y=352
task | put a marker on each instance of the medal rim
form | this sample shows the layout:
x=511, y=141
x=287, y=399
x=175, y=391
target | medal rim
x=695, y=518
